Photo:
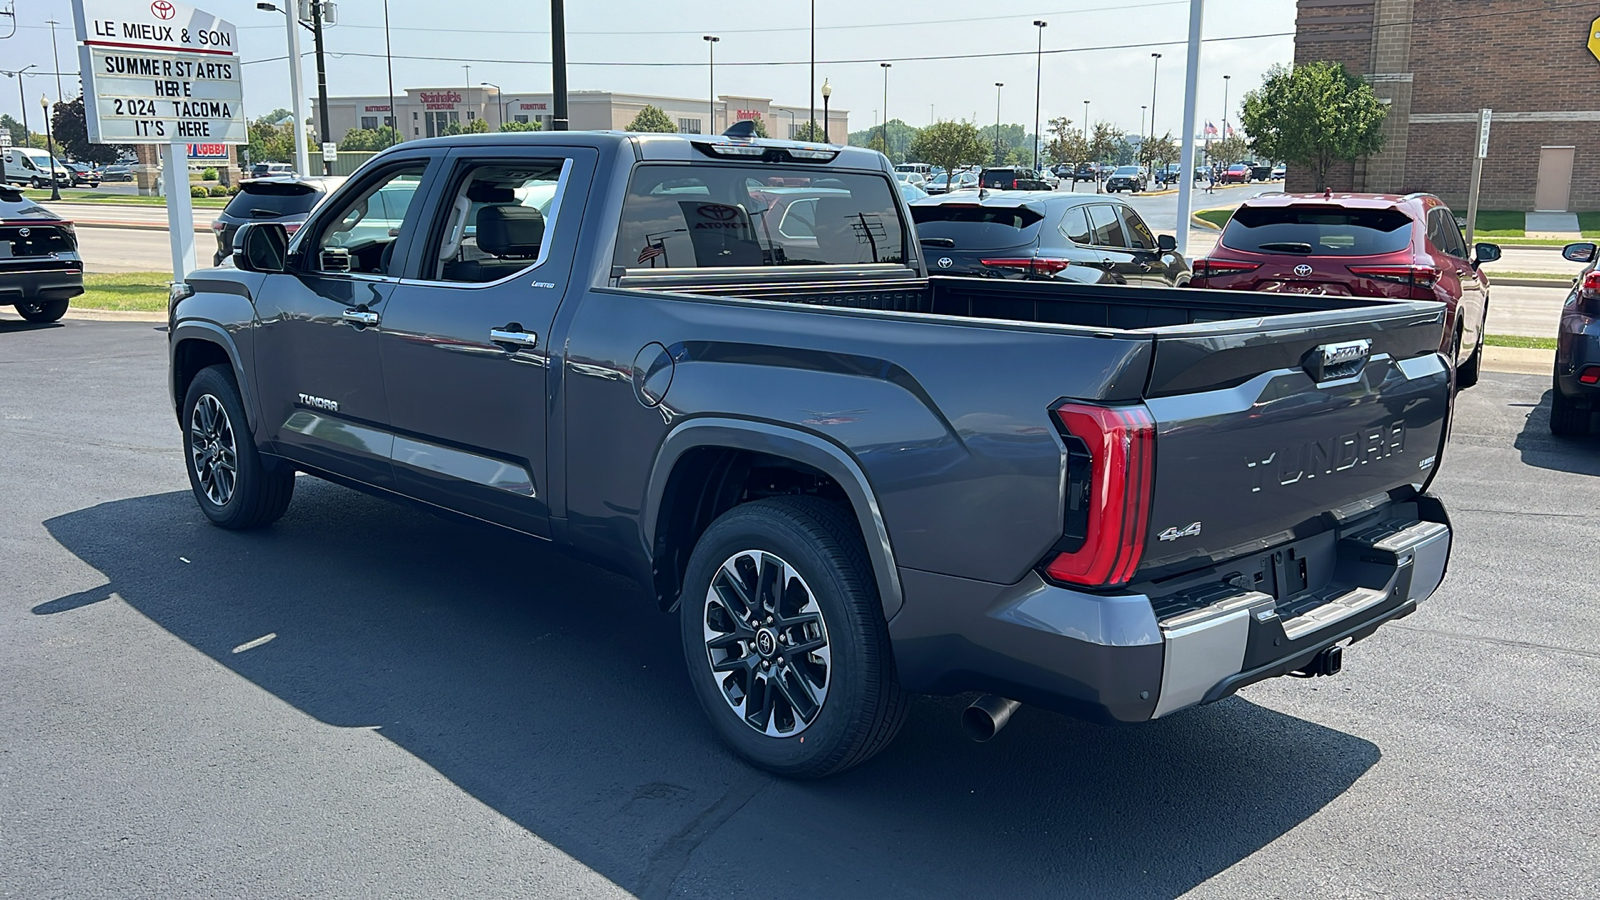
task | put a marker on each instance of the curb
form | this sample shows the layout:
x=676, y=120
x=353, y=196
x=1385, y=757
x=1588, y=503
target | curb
x=1518, y=360
x=1561, y=284
x=116, y=315
x=136, y=226
x=1195, y=220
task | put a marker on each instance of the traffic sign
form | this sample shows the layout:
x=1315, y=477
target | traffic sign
x=1484, y=118
x=158, y=72
x=329, y=151
x=1594, y=38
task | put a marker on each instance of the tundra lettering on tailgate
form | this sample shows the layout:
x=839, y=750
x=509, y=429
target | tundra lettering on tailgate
x=1326, y=457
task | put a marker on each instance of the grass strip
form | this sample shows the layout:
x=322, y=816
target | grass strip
x=142, y=291
x=1519, y=340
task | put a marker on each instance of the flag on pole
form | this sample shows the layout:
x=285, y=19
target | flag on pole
x=1211, y=130
x=1230, y=131
x=650, y=252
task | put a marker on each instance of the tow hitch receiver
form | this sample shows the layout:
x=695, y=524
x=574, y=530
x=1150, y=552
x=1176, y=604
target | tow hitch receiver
x=1329, y=662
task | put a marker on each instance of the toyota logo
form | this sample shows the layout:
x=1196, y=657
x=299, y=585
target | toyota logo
x=161, y=9
x=1302, y=270
x=946, y=262
x=717, y=212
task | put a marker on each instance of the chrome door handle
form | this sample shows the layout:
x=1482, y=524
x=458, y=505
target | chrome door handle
x=359, y=317
x=519, y=338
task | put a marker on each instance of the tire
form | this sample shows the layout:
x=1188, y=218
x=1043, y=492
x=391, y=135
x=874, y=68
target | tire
x=215, y=433
x=1567, y=418
x=42, y=311
x=39, y=184
x=848, y=681
x=1467, y=374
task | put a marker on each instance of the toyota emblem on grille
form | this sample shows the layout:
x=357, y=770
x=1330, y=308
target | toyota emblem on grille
x=24, y=232
x=945, y=262
x=1302, y=270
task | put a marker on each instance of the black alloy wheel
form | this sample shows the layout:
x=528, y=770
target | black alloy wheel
x=234, y=485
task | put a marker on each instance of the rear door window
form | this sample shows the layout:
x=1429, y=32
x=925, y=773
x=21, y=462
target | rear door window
x=975, y=227
x=1075, y=226
x=1317, y=230
x=719, y=216
x=1140, y=237
x=272, y=201
x=1105, y=227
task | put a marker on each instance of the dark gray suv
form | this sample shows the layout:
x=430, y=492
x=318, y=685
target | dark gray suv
x=286, y=200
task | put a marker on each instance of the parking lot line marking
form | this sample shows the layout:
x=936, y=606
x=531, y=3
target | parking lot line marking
x=251, y=645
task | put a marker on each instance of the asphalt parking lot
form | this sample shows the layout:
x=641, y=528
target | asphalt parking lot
x=364, y=701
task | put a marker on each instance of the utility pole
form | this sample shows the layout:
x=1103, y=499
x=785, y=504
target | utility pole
x=558, y=67
x=322, y=83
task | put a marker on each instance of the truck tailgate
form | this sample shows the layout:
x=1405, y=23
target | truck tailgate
x=1271, y=430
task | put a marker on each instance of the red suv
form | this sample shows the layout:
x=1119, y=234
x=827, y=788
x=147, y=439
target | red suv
x=1363, y=245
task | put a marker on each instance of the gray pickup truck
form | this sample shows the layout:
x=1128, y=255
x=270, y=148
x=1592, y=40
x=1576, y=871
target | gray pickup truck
x=719, y=366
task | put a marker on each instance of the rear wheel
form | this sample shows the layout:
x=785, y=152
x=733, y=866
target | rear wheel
x=1467, y=374
x=235, y=487
x=1567, y=418
x=42, y=311
x=785, y=640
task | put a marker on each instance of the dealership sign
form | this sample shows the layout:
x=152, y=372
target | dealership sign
x=158, y=72
x=208, y=151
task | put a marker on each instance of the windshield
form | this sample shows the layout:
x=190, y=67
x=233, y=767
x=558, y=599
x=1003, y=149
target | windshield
x=975, y=227
x=270, y=200
x=716, y=216
x=1318, y=230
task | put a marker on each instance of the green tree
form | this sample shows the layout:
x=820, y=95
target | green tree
x=901, y=136
x=951, y=145
x=71, y=134
x=1313, y=115
x=761, y=127
x=19, y=137
x=810, y=132
x=271, y=141
x=1228, y=151
x=1013, y=137
x=519, y=126
x=652, y=119
x=1105, y=142
x=359, y=139
x=1158, y=152
x=1066, y=144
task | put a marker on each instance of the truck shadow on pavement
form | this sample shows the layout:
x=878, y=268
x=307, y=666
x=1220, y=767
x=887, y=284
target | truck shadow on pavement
x=1539, y=448
x=552, y=692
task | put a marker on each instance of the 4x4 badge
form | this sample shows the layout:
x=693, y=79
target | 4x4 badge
x=1173, y=533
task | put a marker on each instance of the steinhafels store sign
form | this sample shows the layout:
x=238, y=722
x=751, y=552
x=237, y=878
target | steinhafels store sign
x=439, y=99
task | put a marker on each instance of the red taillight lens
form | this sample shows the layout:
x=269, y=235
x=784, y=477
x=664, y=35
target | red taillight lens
x=1111, y=472
x=1033, y=265
x=1419, y=276
x=1013, y=184
x=1206, y=268
x=1590, y=375
x=1590, y=288
x=217, y=226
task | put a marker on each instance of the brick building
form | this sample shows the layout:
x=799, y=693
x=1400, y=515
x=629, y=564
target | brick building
x=1436, y=63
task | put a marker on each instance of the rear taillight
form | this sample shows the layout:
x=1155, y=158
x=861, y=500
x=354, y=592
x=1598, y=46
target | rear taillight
x=1589, y=289
x=1110, y=473
x=1013, y=184
x=217, y=226
x=1207, y=268
x=1417, y=276
x=1590, y=375
x=1032, y=265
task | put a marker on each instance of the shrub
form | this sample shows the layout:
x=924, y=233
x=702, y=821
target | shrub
x=219, y=191
x=198, y=191
x=233, y=189
x=208, y=175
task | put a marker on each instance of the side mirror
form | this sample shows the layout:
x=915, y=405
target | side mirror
x=1166, y=243
x=1486, y=253
x=261, y=247
x=1581, y=252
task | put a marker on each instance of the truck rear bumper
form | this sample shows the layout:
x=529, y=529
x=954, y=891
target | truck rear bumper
x=1129, y=657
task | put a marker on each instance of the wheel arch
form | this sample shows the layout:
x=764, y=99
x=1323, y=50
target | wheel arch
x=197, y=345
x=704, y=462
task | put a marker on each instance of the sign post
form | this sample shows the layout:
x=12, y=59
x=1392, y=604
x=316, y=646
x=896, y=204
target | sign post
x=1477, y=173
x=161, y=72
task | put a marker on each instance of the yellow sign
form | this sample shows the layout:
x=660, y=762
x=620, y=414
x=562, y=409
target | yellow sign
x=1594, y=38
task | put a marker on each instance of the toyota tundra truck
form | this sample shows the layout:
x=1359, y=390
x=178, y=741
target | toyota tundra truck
x=719, y=366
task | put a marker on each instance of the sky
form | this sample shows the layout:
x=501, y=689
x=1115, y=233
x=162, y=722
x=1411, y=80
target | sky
x=508, y=44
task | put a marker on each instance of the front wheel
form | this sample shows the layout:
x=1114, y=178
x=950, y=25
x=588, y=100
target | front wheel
x=42, y=311
x=785, y=641
x=234, y=485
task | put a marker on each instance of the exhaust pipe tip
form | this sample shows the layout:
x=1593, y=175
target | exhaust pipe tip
x=986, y=716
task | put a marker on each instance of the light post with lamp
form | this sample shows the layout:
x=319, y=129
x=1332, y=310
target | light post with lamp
x=886, y=68
x=711, y=45
x=302, y=152
x=997, y=86
x=1038, y=87
x=500, y=97
x=50, y=147
x=827, y=91
x=790, y=113
x=1154, y=76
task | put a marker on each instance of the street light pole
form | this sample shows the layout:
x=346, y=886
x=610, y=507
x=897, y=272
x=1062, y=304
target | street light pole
x=997, y=86
x=1038, y=87
x=827, y=91
x=55, y=54
x=388, y=61
x=50, y=146
x=1086, y=124
x=811, y=83
x=500, y=97
x=792, y=132
x=886, y=67
x=1224, y=134
x=711, y=45
x=1155, y=74
x=558, y=66
x=302, y=153
x=22, y=102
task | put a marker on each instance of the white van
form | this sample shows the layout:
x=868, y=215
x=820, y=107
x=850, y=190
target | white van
x=31, y=167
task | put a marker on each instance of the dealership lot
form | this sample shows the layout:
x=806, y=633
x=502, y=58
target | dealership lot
x=367, y=701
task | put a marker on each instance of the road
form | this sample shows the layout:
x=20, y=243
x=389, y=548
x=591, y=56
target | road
x=366, y=701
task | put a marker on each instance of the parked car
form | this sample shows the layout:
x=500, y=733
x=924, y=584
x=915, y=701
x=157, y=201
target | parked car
x=1576, y=387
x=287, y=199
x=842, y=489
x=1279, y=172
x=1169, y=174
x=910, y=177
x=1126, y=178
x=116, y=173
x=32, y=168
x=1063, y=236
x=1238, y=173
x=941, y=183
x=910, y=192
x=923, y=169
x=270, y=169
x=40, y=269
x=1260, y=172
x=1362, y=245
x=1013, y=178
x=84, y=175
